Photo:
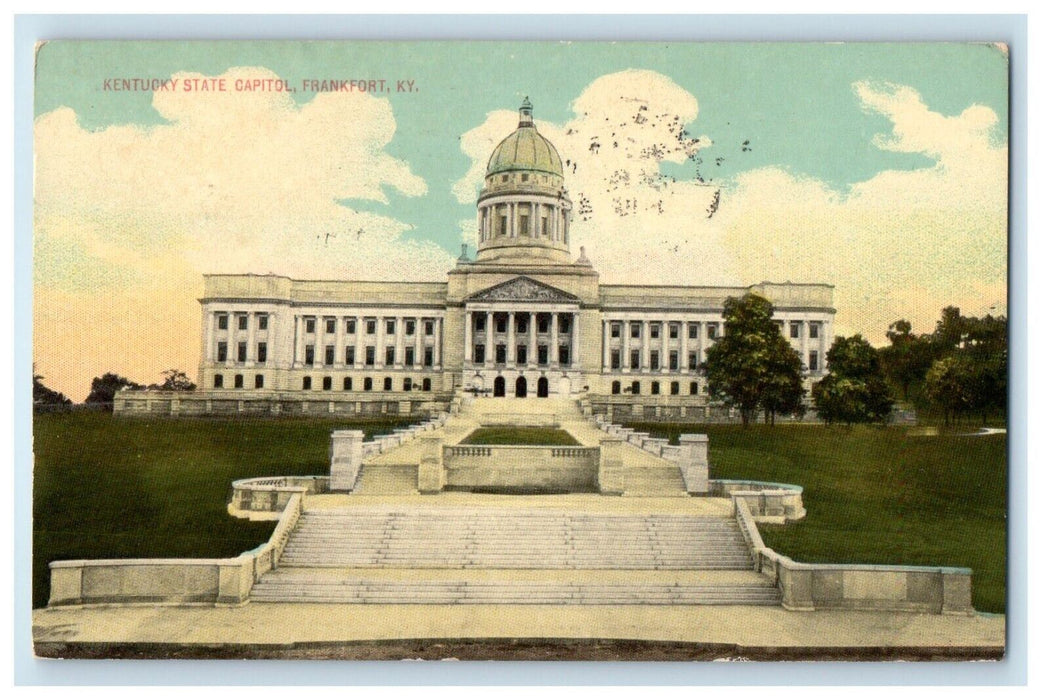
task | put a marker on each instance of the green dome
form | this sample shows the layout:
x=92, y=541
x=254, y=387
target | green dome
x=525, y=149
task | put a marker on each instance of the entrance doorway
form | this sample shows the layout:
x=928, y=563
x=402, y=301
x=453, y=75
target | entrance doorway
x=499, y=388
x=542, y=389
x=521, y=388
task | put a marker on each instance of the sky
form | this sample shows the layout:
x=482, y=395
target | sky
x=878, y=168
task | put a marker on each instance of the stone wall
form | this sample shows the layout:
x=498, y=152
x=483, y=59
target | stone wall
x=150, y=402
x=524, y=467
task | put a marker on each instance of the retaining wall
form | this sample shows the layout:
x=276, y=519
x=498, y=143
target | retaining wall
x=530, y=467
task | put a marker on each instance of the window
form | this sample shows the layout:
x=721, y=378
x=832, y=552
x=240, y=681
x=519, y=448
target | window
x=655, y=388
x=814, y=330
x=675, y=388
x=653, y=359
x=506, y=178
x=351, y=325
x=369, y=326
x=407, y=384
x=615, y=330
x=693, y=388
x=223, y=321
x=367, y=383
x=242, y=351
x=616, y=387
x=502, y=220
x=428, y=356
x=479, y=321
x=673, y=360
x=260, y=381
x=309, y=354
x=426, y=384
x=263, y=322
x=428, y=328
x=712, y=331
x=326, y=384
x=351, y=355
x=635, y=387
x=391, y=326
x=500, y=353
x=635, y=359
x=562, y=354
x=544, y=324
x=693, y=331
x=329, y=325
x=795, y=329
x=675, y=330
x=524, y=177
x=522, y=354
x=242, y=322
x=635, y=330
x=409, y=356
x=500, y=324
x=814, y=361
x=522, y=323
x=307, y=383
x=329, y=355
x=311, y=325
x=369, y=356
x=409, y=327
x=565, y=324
x=347, y=383
x=653, y=330
x=478, y=354
x=390, y=352
x=524, y=226
x=543, y=354
x=693, y=361
x=387, y=384
x=218, y=381
x=260, y=354
x=615, y=359
x=220, y=353
x=544, y=224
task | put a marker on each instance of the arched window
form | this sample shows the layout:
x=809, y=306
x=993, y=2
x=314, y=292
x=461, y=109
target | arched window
x=407, y=383
x=367, y=383
x=307, y=383
x=655, y=388
x=347, y=383
x=635, y=388
x=693, y=388
x=387, y=384
x=616, y=386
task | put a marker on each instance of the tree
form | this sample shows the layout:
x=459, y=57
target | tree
x=752, y=365
x=104, y=388
x=854, y=390
x=43, y=396
x=948, y=384
x=971, y=372
x=908, y=357
x=174, y=380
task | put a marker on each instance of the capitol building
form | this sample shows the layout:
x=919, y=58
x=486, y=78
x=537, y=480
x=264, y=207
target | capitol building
x=522, y=319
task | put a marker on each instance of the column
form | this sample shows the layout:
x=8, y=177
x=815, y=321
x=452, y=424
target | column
x=358, y=343
x=533, y=341
x=555, y=358
x=645, y=341
x=511, y=340
x=340, y=341
x=480, y=226
x=489, y=340
x=380, y=341
x=805, y=343
x=299, y=336
x=534, y=220
x=606, y=353
x=575, y=340
x=209, y=336
x=513, y=219
x=624, y=340
x=664, y=333
x=419, y=328
x=564, y=225
x=467, y=336
x=398, y=342
x=682, y=353
x=438, y=343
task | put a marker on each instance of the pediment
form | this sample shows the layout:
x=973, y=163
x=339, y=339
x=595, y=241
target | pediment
x=524, y=289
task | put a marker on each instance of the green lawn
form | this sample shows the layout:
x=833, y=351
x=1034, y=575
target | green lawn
x=875, y=495
x=519, y=436
x=117, y=487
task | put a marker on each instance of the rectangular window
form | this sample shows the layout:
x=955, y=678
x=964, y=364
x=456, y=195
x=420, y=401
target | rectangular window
x=428, y=357
x=562, y=354
x=675, y=388
x=795, y=329
x=544, y=324
x=635, y=388
x=675, y=330
x=329, y=325
x=367, y=383
x=390, y=354
x=614, y=330
x=311, y=325
x=615, y=359
x=391, y=326
x=655, y=388
x=653, y=330
x=426, y=384
x=428, y=327
x=653, y=360
x=523, y=227
x=307, y=383
x=347, y=383
x=479, y=321
x=522, y=323
x=329, y=355
x=406, y=385
x=693, y=388
x=387, y=384
x=326, y=384
x=814, y=330
x=409, y=327
x=500, y=324
x=369, y=356
x=264, y=321
x=673, y=361
x=260, y=352
x=478, y=354
x=543, y=355
x=220, y=353
x=242, y=323
x=500, y=353
x=351, y=325
x=635, y=330
x=616, y=387
x=369, y=326
x=545, y=223
x=814, y=361
x=351, y=354
x=565, y=324
x=309, y=354
x=409, y=356
x=260, y=381
x=218, y=381
x=635, y=359
x=693, y=361
x=502, y=220
x=693, y=331
x=242, y=351
x=522, y=354
x=223, y=321
x=712, y=331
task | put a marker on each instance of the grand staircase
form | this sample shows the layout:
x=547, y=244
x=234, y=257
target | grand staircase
x=514, y=556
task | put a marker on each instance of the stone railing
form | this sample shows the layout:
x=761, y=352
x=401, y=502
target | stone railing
x=927, y=589
x=690, y=456
x=527, y=467
x=348, y=449
x=519, y=420
x=768, y=502
x=265, y=498
x=258, y=402
x=219, y=582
